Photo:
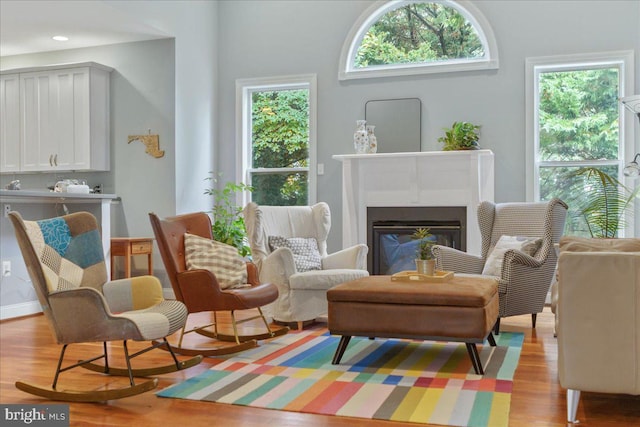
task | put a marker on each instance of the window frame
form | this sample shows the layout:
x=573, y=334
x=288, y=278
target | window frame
x=347, y=69
x=244, y=89
x=624, y=61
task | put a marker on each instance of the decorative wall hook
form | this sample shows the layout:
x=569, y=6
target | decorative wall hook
x=151, y=143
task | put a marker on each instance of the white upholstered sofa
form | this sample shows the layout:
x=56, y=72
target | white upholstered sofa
x=598, y=317
x=302, y=294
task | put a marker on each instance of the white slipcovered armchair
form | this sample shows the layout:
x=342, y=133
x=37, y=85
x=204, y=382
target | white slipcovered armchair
x=302, y=294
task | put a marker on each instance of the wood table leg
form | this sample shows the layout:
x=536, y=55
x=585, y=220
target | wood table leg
x=127, y=262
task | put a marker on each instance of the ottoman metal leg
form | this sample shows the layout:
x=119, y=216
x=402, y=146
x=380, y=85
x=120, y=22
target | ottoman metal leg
x=475, y=358
x=342, y=346
x=491, y=339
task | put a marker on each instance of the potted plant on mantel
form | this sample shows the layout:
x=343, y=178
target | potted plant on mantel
x=425, y=261
x=461, y=136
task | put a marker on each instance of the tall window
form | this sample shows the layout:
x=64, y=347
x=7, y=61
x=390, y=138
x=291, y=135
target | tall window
x=411, y=37
x=575, y=120
x=278, y=139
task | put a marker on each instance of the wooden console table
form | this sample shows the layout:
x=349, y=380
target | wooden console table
x=129, y=246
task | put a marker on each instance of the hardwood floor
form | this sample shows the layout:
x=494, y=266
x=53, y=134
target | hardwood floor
x=28, y=352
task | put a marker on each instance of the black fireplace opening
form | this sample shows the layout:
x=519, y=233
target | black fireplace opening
x=389, y=230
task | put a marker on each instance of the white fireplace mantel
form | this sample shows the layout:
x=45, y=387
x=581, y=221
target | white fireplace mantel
x=434, y=178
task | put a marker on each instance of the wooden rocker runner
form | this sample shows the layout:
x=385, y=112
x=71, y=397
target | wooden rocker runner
x=65, y=261
x=200, y=290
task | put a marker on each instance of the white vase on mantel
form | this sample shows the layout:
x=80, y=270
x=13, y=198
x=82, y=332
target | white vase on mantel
x=373, y=140
x=360, y=138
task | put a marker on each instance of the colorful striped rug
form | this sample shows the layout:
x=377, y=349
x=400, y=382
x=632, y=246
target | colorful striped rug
x=389, y=379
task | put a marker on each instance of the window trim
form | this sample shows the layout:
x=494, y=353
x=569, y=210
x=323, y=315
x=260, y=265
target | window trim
x=347, y=70
x=244, y=88
x=624, y=60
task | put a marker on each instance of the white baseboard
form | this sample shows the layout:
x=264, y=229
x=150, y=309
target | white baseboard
x=18, y=310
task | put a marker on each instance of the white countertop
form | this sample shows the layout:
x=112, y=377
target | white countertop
x=42, y=195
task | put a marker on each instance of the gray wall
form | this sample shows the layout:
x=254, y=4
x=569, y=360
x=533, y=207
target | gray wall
x=171, y=90
x=273, y=38
x=193, y=24
x=142, y=97
x=184, y=90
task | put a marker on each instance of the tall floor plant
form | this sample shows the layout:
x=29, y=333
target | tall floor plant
x=601, y=201
x=228, y=224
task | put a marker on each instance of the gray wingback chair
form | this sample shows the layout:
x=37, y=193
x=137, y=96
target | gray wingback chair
x=525, y=279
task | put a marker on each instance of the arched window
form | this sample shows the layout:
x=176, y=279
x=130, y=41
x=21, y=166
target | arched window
x=403, y=37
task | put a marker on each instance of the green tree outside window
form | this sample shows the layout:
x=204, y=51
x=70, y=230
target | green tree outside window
x=578, y=127
x=419, y=33
x=280, y=141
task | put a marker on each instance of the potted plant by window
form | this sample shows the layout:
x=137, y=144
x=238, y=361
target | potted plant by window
x=461, y=136
x=601, y=201
x=228, y=223
x=425, y=261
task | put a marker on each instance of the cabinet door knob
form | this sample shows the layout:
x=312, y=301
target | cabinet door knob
x=55, y=160
x=51, y=160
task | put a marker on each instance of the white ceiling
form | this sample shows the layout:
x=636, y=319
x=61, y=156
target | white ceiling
x=26, y=26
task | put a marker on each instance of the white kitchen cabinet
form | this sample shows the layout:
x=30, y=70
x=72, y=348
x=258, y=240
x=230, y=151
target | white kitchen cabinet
x=10, y=123
x=64, y=118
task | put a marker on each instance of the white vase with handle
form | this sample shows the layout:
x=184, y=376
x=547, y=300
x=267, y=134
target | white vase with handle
x=373, y=140
x=360, y=138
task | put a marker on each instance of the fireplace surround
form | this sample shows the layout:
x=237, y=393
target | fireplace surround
x=434, y=179
x=389, y=230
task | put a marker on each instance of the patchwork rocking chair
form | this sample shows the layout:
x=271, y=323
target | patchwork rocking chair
x=65, y=261
x=201, y=291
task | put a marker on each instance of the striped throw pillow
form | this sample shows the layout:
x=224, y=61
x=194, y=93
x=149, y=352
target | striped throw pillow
x=221, y=259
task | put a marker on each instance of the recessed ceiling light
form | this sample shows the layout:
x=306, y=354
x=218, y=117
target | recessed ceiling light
x=60, y=38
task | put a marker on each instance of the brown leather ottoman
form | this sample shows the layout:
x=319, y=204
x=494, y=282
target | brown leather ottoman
x=463, y=309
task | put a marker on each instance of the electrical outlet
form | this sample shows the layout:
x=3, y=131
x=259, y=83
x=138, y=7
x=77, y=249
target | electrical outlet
x=7, y=209
x=6, y=268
